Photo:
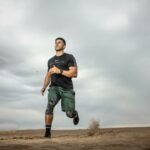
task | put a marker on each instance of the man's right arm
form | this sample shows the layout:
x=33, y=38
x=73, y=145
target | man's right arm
x=46, y=82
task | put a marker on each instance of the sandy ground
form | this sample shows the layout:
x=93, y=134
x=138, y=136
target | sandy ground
x=108, y=139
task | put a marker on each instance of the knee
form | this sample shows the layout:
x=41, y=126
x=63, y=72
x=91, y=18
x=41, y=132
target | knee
x=48, y=111
x=50, y=108
x=69, y=114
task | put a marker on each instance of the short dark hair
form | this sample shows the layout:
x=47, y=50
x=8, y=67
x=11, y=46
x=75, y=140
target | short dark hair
x=60, y=38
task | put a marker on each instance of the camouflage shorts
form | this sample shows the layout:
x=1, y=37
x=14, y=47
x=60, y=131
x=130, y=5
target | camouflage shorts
x=67, y=96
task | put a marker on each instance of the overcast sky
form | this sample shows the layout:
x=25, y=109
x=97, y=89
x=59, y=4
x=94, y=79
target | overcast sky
x=110, y=40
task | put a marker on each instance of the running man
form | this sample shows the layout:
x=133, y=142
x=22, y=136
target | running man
x=62, y=67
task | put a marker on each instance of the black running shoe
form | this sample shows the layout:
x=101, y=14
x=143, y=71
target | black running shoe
x=76, y=118
x=47, y=135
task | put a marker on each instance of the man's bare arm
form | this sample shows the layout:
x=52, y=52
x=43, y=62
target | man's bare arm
x=46, y=82
x=72, y=72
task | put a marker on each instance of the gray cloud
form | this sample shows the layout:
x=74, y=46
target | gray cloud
x=110, y=41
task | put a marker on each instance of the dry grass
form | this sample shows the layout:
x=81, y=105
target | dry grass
x=94, y=128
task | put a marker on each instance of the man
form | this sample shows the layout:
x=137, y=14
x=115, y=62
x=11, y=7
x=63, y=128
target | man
x=62, y=67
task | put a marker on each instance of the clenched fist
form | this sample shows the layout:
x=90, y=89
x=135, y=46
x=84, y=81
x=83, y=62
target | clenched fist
x=43, y=90
x=54, y=70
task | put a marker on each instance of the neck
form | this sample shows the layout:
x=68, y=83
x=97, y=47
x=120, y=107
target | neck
x=59, y=53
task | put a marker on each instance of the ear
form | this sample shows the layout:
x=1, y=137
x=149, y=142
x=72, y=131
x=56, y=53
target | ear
x=64, y=46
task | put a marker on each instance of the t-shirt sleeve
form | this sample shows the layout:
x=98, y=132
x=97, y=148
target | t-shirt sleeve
x=72, y=61
x=48, y=66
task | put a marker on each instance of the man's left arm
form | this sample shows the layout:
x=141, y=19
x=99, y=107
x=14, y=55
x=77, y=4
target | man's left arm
x=73, y=68
x=72, y=72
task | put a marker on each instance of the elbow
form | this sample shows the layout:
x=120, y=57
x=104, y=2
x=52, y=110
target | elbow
x=48, y=75
x=75, y=75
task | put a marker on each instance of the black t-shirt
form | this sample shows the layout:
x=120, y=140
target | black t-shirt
x=63, y=62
